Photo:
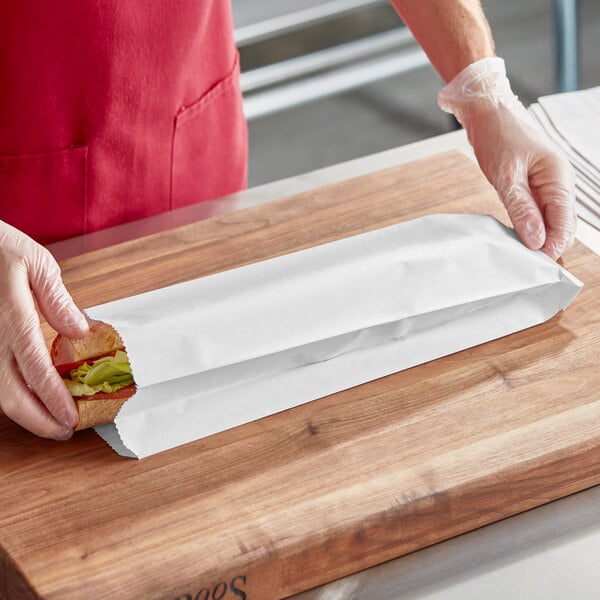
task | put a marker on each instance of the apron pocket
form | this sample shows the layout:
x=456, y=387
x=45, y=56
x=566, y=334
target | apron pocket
x=210, y=145
x=44, y=194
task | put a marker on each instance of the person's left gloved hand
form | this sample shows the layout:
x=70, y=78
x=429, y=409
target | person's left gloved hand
x=533, y=179
x=32, y=392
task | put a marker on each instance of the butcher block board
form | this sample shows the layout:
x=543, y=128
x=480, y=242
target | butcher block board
x=289, y=502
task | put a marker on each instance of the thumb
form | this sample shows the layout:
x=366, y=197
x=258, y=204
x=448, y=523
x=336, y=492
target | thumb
x=525, y=215
x=562, y=223
x=509, y=176
x=54, y=301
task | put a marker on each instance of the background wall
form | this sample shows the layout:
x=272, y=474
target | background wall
x=401, y=109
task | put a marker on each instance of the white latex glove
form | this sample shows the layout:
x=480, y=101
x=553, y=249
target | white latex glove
x=31, y=391
x=533, y=179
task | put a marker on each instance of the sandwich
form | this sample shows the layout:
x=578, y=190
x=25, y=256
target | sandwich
x=96, y=371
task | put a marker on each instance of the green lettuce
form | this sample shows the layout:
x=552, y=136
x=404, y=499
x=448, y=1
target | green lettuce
x=107, y=374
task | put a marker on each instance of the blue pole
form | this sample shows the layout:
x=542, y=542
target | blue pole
x=567, y=45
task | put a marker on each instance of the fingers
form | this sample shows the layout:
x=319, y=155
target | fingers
x=547, y=223
x=509, y=177
x=35, y=365
x=25, y=409
x=537, y=190
x=553, y=183
x=525, y=216
x=550, y=228
x=34, y=394
x=54, y=301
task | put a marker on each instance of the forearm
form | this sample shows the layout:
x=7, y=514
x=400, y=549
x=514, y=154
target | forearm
x=453, y=33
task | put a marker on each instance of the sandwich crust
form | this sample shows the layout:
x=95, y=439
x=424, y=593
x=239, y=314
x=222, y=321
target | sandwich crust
x=100, y=411
x=101, y=339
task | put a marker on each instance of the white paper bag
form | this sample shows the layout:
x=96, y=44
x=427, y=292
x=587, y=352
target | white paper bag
x=223, y=350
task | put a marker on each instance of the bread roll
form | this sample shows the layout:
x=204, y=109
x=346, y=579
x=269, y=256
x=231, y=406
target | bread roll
x=101, y=339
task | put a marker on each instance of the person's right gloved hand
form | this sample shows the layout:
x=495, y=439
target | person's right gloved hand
x=31, y=391
x=533, y=178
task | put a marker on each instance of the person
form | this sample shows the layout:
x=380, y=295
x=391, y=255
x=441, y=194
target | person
x=113, y=111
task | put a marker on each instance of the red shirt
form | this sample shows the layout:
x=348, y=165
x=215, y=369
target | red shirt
x=111, y=111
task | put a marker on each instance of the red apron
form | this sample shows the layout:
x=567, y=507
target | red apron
x=112, y=110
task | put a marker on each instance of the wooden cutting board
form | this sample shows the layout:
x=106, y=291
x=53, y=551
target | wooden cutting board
x=303, y=497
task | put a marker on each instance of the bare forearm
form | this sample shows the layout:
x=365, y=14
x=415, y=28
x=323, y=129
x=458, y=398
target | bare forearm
x=453, y=33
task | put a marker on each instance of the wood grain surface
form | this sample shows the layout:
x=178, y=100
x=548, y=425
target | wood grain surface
x=308, y=495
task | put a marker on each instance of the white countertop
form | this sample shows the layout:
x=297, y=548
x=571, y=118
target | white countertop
x=549, y=553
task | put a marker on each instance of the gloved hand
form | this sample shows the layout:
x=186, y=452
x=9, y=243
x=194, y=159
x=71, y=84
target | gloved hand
x=533, y=179
x=31, y=391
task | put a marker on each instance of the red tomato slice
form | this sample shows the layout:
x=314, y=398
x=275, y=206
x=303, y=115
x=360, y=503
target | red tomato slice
x=65, y=370
x=120, y=394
